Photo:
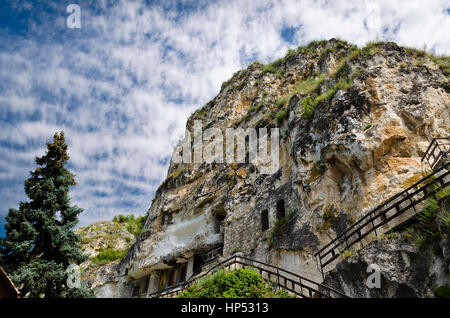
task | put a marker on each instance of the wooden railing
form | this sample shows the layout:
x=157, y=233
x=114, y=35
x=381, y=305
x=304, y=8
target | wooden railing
x=407, y=204
x=438, y=148
x=291, y=282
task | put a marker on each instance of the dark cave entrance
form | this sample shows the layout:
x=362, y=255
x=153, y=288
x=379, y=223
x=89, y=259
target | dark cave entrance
x=281, y=210
x=219, y=215
x=198, y=262
x=264, y=220
x=218, y=222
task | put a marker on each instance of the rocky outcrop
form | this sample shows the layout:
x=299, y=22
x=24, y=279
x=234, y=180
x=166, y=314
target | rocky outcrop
x=354, y=124
x=405, y=269
x=96, y=238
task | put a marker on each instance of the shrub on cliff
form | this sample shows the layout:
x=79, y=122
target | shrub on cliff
x=108, y=255
x=433, y=220
x=241, y=283
x=134, y=225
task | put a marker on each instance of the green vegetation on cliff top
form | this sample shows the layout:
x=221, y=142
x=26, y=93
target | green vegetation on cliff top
x=310, y=91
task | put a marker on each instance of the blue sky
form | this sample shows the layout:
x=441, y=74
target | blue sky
x=122, y=86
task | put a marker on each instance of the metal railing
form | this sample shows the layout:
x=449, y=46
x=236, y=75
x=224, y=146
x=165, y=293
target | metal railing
x=396, y=206
x=293, y=283
x=438, y=148
x=405, y=201
x=212, y=254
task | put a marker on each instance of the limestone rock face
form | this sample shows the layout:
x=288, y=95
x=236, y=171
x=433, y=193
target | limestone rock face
x=354, y=124
x=406, y=271
x=95, y=238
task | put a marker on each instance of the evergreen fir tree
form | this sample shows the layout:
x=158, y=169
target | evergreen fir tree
x=40, y=242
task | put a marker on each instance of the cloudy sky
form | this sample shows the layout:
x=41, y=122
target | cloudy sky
x=122, y=85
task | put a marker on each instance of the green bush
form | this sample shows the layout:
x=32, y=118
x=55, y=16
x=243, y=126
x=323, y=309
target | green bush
x=200, y=113
x=134, y=225
x=310, y=85
x=120, y=218
x=278, y=225
x=282, y=101
x=327, y=95
x=346, y=254
x=442, y=292
x=281, y=115
x=108, y=255
x=308, y=107
x=427, y=216
x=432, y=219
x=440, y=60
x=304, y=88
x=274, y=68
x=254, y=108
x=241, y=283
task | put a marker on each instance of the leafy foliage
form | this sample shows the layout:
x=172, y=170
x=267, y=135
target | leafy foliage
x=279, y=223
x=442, y=292
x=310, y=85
x=241, y=283
x=433, y=218
x=442, y=61
x=108, y=255
x=308, y=104
x=346, y=254
x=274, y=68
x=40, y=243
x=308, y=107
x=281, y=115
x=254, y=108
x=134, y=225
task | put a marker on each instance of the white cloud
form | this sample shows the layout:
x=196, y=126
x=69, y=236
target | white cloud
x=125, y=83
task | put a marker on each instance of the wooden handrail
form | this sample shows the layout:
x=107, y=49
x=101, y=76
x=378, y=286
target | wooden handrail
x=344, y=239
x=379, y=213
x=431, y=150
x=313, y=288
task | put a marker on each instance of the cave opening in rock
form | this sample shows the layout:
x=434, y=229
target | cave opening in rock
x=162, y=281
x=219, y=214
x=182, y=275
x=281, y=210
x=218, y=222
x=264, y=220
x=136, y=286
x=171, y=278
x=166, y=219
x=145, y=284
x=198, y=262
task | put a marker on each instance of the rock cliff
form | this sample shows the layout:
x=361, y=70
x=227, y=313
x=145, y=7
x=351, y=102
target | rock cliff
x=353, y=126
x=410, y=263
x=99, y=239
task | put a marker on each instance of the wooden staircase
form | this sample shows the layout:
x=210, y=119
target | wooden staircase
x=396, y=210
x=289, y=281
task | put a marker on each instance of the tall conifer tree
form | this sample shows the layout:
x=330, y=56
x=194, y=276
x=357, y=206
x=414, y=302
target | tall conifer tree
x=40, y=243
